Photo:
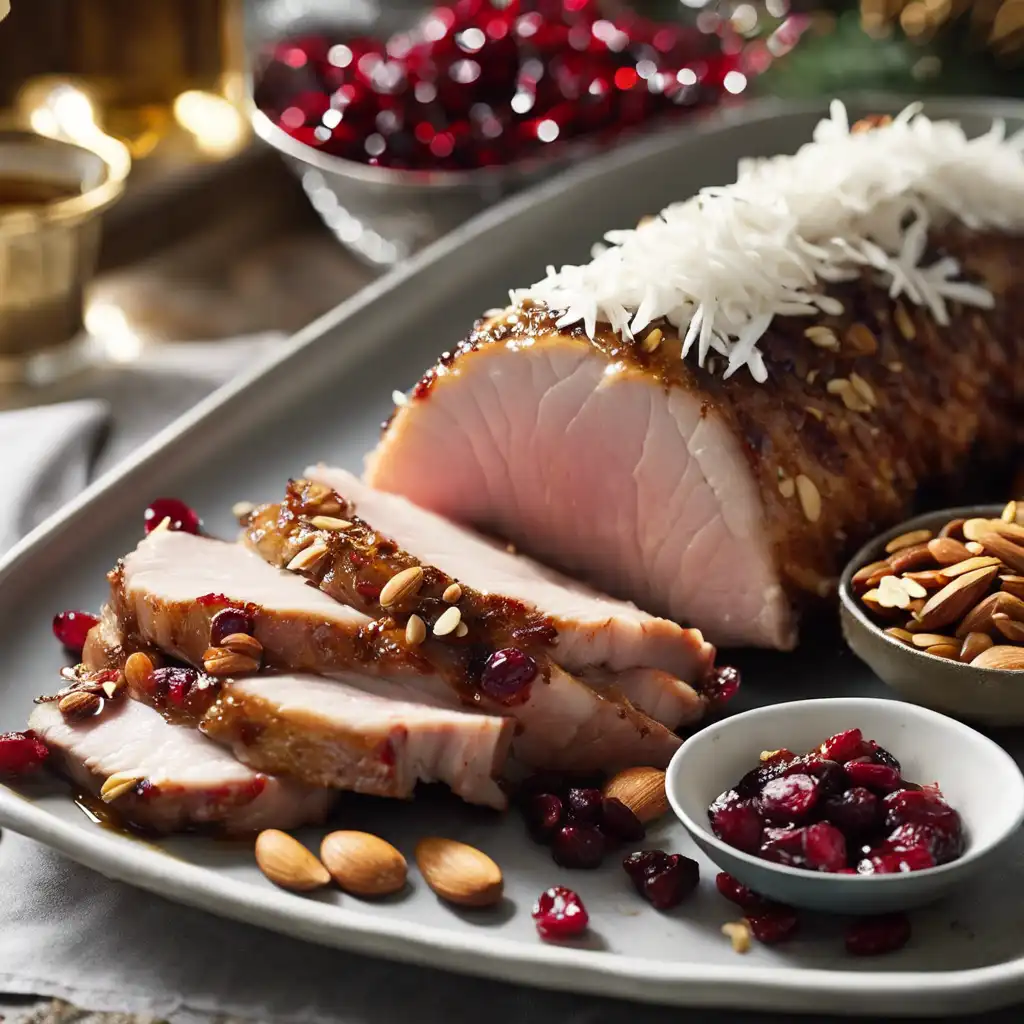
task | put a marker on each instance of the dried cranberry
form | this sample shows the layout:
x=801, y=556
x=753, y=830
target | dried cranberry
x=857, y=811
x=757, y=778
x=173, y=683
x=939, y=844
x=736, y=821
x=927, y=807
x=228, y=621
x=180, y=515
x=543, y=814
x=578, y=846
x=886, y=861
x=720, y=685
x=619, y=822
x=843, y=746
x=583, y=806
x=668, y=884
x=559, y=914
x=871, y=936
x=830, y=775
x=784, y=846
x=21, y=753
x=71, y=629
x=789, y=799
x=824, y=847
x=736, y=892
x=507, y=675
x=873, y=776
x=774, y=925
x=882, y=756
x=639, y=864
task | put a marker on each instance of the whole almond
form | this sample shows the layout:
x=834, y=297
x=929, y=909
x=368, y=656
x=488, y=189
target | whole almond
x=401, y=586
x=1010, y=628
x=287, y=863
x=951, y=651
x=900, y=634
x=973, y=645
x=916, y=556
x=906, y=540
x=1012, y=554
x=363, y=864
x=79, y=704
x=932, y=639
x=642, y=790
x=954, y=528
x=976, y=529
x=979, y=618
x=1012, y=585
x=1005, y=657
x=137, y=670
x=947, y=551
x=949, y=603
x=243, y=644
x=459, y=873
x=1011, y=531
x=930, y=579
x=867, y=578
x=218, y=661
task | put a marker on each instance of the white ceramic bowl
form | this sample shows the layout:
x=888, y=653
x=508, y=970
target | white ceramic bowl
x=976, y=776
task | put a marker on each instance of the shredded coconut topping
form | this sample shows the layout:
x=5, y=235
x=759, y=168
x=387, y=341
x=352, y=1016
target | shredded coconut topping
x=720, y=266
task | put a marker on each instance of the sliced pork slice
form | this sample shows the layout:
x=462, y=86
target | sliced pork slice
x=725, y=503
x=185, y=780
x=167, y=591
x=355, y=732
x=370, y=736
x=503, y=601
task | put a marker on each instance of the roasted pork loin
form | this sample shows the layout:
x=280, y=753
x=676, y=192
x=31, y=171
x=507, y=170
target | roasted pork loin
x=504, y=600
x=722, y=502
x=183, y=779
x=166, y=592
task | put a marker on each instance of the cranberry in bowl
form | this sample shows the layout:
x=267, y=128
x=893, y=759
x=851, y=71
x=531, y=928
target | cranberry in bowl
x=861, y=831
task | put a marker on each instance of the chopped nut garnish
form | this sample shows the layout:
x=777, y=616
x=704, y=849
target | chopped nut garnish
x=823, y=337
x=402, y=585
x=448, y=622
x=461, y=630
x=738, y=933
x=309, y=558
x=651, y=340
x=330, y=523
x=415, y=631
x=118, y=784
x=903, y=322
x=810, y=497
x=452, y=594
x=860, y=339
x=787, y=487
x=863, y=389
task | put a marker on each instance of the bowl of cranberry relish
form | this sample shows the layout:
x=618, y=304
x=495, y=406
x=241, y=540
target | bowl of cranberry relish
x=402, y=132
x=851, y=805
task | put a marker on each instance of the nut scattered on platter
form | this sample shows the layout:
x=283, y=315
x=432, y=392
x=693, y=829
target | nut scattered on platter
x=956, y=593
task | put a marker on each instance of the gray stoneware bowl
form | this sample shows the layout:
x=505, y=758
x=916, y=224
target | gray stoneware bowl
x=976, y=775
x=987, y=695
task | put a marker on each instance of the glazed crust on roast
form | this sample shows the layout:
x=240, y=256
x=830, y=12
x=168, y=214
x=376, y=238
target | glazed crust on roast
x=931, y=399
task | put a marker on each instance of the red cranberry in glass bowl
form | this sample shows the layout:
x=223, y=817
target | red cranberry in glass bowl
x=865, y=844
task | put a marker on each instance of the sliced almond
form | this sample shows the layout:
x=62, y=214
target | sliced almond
x=906, y=540
x=969, y=565
x=917, y=556
x=287, y=863
x=892, y=593
x=363, y=864
x=309, y=558
x=402, y=586
x=954, y=528
x=461, y=630
x=459, y=873
x=951, y=651
x=1010, y=628
x=932, y=639
x=947, y=550
x=112, y=687
x=810, y=497
x=973, y=645
x=976, y=529
x=952, y=601
x=452, y=594
x=118, y=784
x=448, y=622
x=913, y=588
x=415, y=631
x=1001, y=657
x=332, y=524
x=900, y=634
x=868, y=577
x=930, y=579
x=1013, y=585
x=738, y=933
x=1010, y=553
x=642, y=790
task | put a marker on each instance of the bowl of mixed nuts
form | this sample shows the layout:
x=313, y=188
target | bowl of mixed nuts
x=936, y=608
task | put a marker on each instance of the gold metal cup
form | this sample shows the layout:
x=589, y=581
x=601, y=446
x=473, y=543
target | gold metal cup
x=48, y=248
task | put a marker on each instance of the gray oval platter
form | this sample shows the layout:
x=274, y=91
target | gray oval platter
x=323, y=397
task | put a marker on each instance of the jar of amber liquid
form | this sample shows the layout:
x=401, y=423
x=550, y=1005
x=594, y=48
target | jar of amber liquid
x=151, y=69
